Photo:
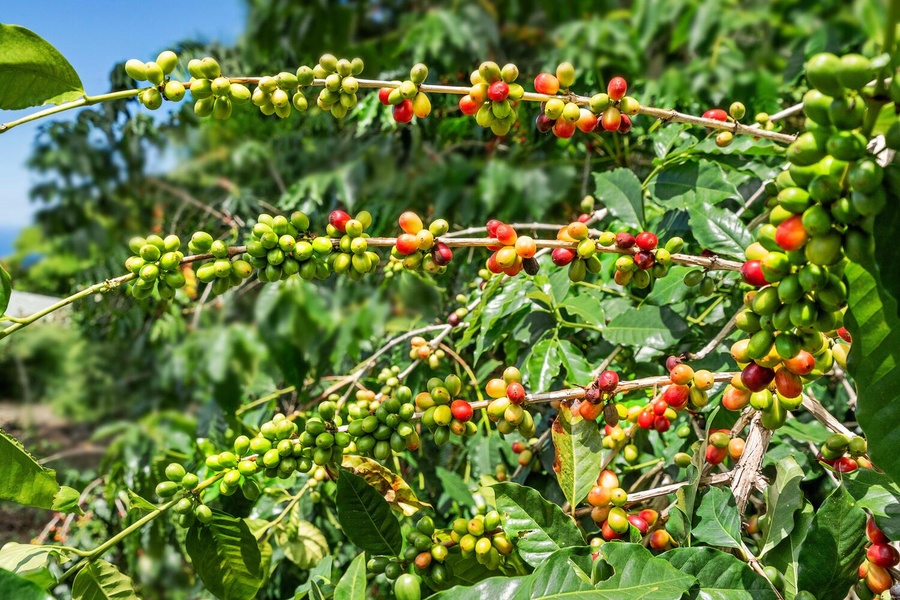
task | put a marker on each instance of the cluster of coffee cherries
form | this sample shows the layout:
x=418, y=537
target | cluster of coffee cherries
x=720, y=445
x=735, y=113
x=281, y=93
x=214, y=94
x=583, y=259
x=339, y=92
x=406, y=98
x=880, y=556
x=354, y=259
x=157, y=264
x=524, y=451
x=279, y=247
x=443, y=415
x=156, y=73
x=844, y=454
x=512, y=253
x=458, y=314
x=493, y=98
x=611, y=111
x=388, y=378
x=420, y=349
x=188, y=507
x=384, y=426
x=647, y=263
x=598, y=398
x=689, y=388
x=418, y=247
x=506, y=409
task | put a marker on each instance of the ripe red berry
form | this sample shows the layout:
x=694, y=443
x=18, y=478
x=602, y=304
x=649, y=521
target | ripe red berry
x=756, y=378
x=492, y=226
x=624, y=240
x=676, y=395
x=624, y=124
x=883, y=555
x=498, y=91
x=660, y=540
x=644, y=260
x=505, y=234
x=661, y=424
x=442, y=254
x=590, y=411
x=584, y=218
x=672, y=362
x=646, y=240
x=716, y=114
x=790, y=233
x=608, y=381
x=645, y=419
x=611, y=119
x=788, y=384
x=660, y=407
x=492, y=264
x=407, y=244
x=715, y=455
x=802, y=364
x=453, y=319
x=545, y=83
x=468, y=106
x=403, y=112
x=616, y=88
x=875, y=535
x=564, y=130
x=751, y=272
x=338, y=219
x=607, y=532
x=845, y=335
x=562, y=256
x=383, y=94
x=544, y=123
x=462, y=410
x=518, y=447
x=845, y=464
x=515, y=392
x=639, y=523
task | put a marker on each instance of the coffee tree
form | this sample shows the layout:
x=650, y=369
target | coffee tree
x=662, y=398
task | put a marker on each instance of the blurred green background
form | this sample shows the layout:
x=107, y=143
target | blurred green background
x=157, y=375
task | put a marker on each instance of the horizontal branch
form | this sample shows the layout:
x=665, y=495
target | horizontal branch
x=665, y=490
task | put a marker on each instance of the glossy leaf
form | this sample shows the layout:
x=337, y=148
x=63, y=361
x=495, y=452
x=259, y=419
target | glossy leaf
x=102, y=580
x=879, y=495
x=638, y=575
x=578, y=370
x=620, y=192
x=226, y=557
x=785, y=555
x=22, y=478
x=14, y=586
x=718, y=522
x=650, y=326
x=538, y=528
x=319, y=573
x=783, y=499
x=542, y=365
x=27, y=558
x=32, y=72
x=872, y=321
x=720, y=576
x=366, y=517
x=495, y=588
x=352, y=585
x=834, y=548
x=718, y=230
x=565, y=574
x=692, y=182
x=579, y=454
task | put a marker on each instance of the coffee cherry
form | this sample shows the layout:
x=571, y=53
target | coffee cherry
x=724, y=139
x=681, y=374
x=875, y=535
x=617, y=88
x=403, y=112
x=737, y=111
x=462, y=410
x=716, y=114
x=516, y=393
x=545, y=83
x=562, y=256
x=611, y=119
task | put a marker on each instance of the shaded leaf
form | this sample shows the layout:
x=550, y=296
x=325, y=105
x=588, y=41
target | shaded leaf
x=718, y=230
x=366, y=517
x=391, y=486
x=26, y=558
x=225, y=556
x=542, y=365
x=565, y=573
x=66, y=501
x=720, y=576
x=320, y=572
x=620, y=191
x=783, y=499
x=578, y=370
x=879, y=495
x=785, y=555
x=32, y=72
x=638, y=575
x=718, y=522
x=22, y=479
x=20, y=588
x=304, y=545
x=579, y=454
x=102, y=580
x=692, y=182
x=352, y=585
x=650, y=326
x=537, y=528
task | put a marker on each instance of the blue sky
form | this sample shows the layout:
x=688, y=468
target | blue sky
x=93, y=36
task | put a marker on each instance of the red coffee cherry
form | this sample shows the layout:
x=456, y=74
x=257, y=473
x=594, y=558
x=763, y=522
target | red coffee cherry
x=883, y=555
x=607, y=381
x=845, y=335
x=383, y=94
x=624, y=240
x=590, y=411
x=660, y=540
x=543, y=123
x=788, y=384
x=442, y=254
x=498, y=91
x=646, y=240
x=875, y=535
x=716, y=114
x=403, y=112
x=756, y=378
x=751, y=272
x=518, y=447
x=676, y=395
x=802, y=364
x=617, y=88
x=564, y=130
x=660, y=407
x=845, y=464
x=611, y=119
x=562, y=256
x=492, y=226
x=453, y=319
x=640, y=523
x=671, y=362
x=545, y=83
x=624, y=124
x=338, y=219
x=790, y=234
x=715, y=455
x=468, y=106
x=516, y=393
x=462, y=410
x=645, y=419
x=661, y=424
x=644, y=260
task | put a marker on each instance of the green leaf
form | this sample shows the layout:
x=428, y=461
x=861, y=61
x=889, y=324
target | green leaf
x=5, y=289
x=462, y=571
x=542, y=365
x=391, y=485
x=352, y=585
x=785, y=555
x=66, y=501
x=366, y=517
x=834, y=548
x=720, y=576
x=679, y=523
x=563, y=575
x=226, y=557
x=454, y=486
x=879, y=495
x=638, y=575
x=670, y=289
x=692, y=182
x=495, y=588
x=650, y=326
x=578, y=370
x=579, y=454
x=27, y=558
x=783, y=498
x=22, y=479
x=306, y=546
x=588, y=308
x=32, y=72
x=872, y=321
x=718, y=230
x=137, y=502
x=20, y=588
x=719, y=523
x=538, y=528
x=320, y=572
x=100, y=580
x=620, y=191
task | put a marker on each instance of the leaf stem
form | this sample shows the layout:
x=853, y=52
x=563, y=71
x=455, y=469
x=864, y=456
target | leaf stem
x=83, y=101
